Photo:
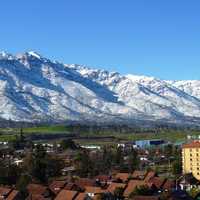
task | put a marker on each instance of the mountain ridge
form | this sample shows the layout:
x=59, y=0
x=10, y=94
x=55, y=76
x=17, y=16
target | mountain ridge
x=35, y=89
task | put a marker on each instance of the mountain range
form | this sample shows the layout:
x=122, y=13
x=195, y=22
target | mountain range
x=36, y=89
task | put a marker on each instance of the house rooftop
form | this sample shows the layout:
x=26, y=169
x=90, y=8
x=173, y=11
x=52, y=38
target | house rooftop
x=138, y=174
x=111, y=188
x=193, y=144
x=157, y=182
x=36, y=189
x=56, y=186
x=66, y=195
x=92, y=189
x=122, y=176
x=132, y=184
x=81, y=196
x=8, y=193
x=4, y=191
x=13, y=195
x=150, y=175
x=145, y=198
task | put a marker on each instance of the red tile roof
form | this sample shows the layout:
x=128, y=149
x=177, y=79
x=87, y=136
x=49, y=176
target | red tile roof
x=103, y=178
x=145, y=198
x=111, y=188
x=56, y=186
x=91, y=189
x=150, y=175
x=82, y=182
x=8, y=193
x=157, y=182
x=138, y=174
x=132, y=184
x=168, y=185
x=36, y=189
x=122, y=176
x=36, y=197
x=81, y=196
x=193, y=144
x=66, y=195
x=13, y=195
x=4, y=191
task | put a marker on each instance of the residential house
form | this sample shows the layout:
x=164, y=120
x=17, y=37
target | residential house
x=66, y=195
x=37, y=191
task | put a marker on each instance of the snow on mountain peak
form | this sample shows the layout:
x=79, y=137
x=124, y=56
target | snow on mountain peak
x=5, y=55
x=33, y=89
x=34, y=54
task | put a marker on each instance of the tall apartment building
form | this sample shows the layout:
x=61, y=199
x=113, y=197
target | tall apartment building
x=191, y=158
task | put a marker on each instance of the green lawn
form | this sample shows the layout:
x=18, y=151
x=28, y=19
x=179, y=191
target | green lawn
x=170, y=135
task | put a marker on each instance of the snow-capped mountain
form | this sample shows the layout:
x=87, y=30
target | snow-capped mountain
x=34, y=88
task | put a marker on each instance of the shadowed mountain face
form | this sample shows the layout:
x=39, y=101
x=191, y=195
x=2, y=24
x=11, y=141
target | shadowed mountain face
x=34, y=88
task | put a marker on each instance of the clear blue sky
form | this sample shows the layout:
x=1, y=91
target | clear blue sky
x=152, y=37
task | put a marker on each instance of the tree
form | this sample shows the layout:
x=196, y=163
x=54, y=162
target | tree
x=133, y=160
x=119, y=157
x=105, y=196
x=42, y=166
x=168, y=150
x=106, y=161
x=118, y=193
x=141, y=190
x=68, y=144
x=9, y=173
x=194, y=192
x=177, y=167
x=54, y=166
x=22, y=183
x=84, y=164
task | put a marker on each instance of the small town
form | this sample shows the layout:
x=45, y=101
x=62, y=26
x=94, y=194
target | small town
x=100, y=100
x=139, y=170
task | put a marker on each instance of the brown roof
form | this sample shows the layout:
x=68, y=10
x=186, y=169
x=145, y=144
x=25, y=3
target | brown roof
x=145, y=198
x=82, y=182
x=168, y=185
x=103, y=178
x=5, y=191
x=66, y=195
x=123, y=176
x=13, y=195
x=111, y=188
x=8, y=193
x=74, y=187
x=36, y=189
x=157, y=181
x=56, y=186
x=132, y=184
x=95, y=190
x=193, y=144
x=69, y=186
x=81, y=196
x=36, y=197
x=138, y=174
x=150, y=175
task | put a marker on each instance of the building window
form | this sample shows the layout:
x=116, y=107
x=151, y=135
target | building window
x=197, y=155
x=197, y=173
x=197, y=149
x=190, y=155
x=190, y=159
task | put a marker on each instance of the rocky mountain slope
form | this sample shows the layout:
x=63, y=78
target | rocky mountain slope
x=34, y=88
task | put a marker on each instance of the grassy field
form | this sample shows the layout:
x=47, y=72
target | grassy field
x=169, y=135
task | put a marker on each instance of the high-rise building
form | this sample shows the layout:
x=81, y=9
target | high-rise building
x=191, y=158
